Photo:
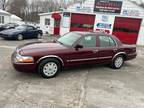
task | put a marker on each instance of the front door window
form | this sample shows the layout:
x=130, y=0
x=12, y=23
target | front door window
x=88, y=41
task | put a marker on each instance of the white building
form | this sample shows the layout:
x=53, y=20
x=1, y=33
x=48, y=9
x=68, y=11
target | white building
x=6, y=17
x=122, y=18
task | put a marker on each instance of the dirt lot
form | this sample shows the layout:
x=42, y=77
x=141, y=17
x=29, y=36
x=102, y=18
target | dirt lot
x=84, y=87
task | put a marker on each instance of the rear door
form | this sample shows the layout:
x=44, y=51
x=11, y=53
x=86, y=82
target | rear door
x=107, y=48
x=85, y=55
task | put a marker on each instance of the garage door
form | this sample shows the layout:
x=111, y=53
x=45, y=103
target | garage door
x=82, y=22
x=127, y=29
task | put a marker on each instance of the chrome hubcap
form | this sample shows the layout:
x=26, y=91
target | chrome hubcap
x=20, y=37
x=39, y=36
x=118, y=62
x=50, y=69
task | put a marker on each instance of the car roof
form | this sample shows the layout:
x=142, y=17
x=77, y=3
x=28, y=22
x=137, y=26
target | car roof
x=90, y=33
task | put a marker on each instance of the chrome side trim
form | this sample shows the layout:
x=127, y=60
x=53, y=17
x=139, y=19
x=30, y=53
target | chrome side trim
x=87, y=59
x=23, y=63
x=51, y=56
x=118, y=54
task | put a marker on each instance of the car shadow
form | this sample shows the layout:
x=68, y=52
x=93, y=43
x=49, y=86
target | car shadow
x=70, y=71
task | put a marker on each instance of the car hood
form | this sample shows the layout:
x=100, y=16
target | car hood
x=41, y=48
x=10, y=31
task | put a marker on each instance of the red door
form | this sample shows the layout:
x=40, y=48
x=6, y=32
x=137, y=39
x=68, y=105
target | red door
x=127, y=29
x=57, y=27
x=82, y=22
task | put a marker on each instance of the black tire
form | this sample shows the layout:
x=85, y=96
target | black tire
x=39, y=36
x=19, y=37
x=43, y=65
x=117, y=64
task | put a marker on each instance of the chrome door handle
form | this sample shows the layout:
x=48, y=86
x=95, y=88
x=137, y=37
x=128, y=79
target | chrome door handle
x=114, y=50
x=95, y=51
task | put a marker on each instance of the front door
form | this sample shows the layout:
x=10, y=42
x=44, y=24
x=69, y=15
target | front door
x=85, y=55
x=31, y=32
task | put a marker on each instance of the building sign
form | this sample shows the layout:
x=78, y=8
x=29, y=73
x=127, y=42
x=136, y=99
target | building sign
x=108, y=6
x=104, y=23
x=127, y=12
x=66, y=20
x=83, y=9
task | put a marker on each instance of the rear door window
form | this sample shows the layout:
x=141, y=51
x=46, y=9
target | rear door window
x=106, y=41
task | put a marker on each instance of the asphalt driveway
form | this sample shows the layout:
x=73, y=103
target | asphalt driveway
x=83, y=87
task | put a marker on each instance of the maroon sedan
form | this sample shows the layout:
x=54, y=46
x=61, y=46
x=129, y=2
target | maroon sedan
x=72, y=49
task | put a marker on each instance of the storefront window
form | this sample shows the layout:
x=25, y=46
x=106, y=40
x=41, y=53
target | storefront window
x=57, y=23
x=89, y=26
x=1, y=19
x=47, y=21
x=122, y=29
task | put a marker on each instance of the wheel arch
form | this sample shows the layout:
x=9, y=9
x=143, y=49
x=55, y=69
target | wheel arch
x=120, y=53
x=51, y=56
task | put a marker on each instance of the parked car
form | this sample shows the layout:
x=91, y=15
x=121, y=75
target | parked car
x=8, y=26
x=21, y=32
x=72, y=49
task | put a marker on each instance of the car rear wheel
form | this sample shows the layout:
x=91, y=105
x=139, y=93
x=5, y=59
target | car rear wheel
x=20, y=37
x=118, y=62
x=39, y=36
x=49, y=68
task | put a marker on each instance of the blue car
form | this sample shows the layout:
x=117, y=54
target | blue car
x=22, y=32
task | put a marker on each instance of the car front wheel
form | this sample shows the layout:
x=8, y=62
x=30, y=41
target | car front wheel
x=49, y=68
x=118, y=62
x=20, y=37
x=39, y=36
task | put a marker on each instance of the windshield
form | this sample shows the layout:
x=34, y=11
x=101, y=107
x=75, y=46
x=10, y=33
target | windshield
x=69, y=39
x=21, y=28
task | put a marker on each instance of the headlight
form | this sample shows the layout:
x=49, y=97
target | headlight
x=24, y=59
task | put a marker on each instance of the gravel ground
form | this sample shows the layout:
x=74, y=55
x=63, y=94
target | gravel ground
x=83, y=87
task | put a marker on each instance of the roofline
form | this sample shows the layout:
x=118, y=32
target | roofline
x=49, y=13
x=9, y=14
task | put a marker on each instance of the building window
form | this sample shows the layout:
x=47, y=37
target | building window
x=57, y=23
x=123, y=29
x=89, y=26
x=1, y=19
x=47, y=21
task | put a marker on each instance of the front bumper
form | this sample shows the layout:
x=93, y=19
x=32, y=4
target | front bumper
x=22, y=67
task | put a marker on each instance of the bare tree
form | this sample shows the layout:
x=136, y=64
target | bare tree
x=4, y=4
x=18, y=7
x=139, y=3
x=28, y=10
x=142, y=3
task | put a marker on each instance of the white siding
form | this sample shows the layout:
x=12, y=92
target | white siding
x=141, y=35
x=6, y=19
x=47, y=28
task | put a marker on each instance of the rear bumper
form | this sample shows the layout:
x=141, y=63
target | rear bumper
x=131, y=56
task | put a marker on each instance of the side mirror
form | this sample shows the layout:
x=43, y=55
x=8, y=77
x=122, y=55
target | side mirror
x=78, y=47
